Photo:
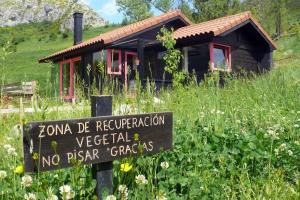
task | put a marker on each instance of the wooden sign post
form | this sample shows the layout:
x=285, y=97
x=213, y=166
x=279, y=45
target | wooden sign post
x=51, y=145
x=102, y=172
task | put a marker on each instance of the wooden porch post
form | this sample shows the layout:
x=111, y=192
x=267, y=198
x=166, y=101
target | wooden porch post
x=141, y=68
x=87, y=60
x=185, y=63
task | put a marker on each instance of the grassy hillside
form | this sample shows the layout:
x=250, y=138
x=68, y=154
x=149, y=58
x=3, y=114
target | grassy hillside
x=31, y=42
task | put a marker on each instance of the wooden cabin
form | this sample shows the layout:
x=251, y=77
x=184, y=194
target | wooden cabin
x=232, y=44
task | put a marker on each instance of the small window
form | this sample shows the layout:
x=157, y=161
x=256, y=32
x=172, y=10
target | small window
x=99, y=61
x=114, y=65
x=220, y=57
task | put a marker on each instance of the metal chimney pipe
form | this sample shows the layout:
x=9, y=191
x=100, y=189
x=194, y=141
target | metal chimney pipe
x=77, y=27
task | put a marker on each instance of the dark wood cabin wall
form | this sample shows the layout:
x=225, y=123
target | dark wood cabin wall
x=267, y=61
x=154, y=67
x=248, y=50
x=198, y=59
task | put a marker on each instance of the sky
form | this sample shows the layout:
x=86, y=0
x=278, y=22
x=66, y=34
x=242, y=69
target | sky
x=107, y=9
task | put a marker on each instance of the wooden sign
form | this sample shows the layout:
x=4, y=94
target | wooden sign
x=50, y=145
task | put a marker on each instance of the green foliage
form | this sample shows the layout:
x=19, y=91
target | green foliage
x=134, y=10
x=211, y=9
x=172, y=57
x=273, y=15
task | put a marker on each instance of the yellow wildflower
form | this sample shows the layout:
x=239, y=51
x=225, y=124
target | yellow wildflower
x=125, y=167
x=136, y=137
x=19, y=169
x=35, y=156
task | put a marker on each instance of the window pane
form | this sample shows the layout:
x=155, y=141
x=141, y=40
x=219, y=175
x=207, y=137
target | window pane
x=66, y=79
x=115, y=61
x=99, y=59
x=219, y=58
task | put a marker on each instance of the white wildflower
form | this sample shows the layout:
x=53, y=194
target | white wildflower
x=161, y=196
x=205, y=129
x=52, y=197
x=7, y=146
x=50, y=194
x=26, y=181
x=276, y=152
x=111, y=197
x=164, y=165
x=10, y=150
x=65, y=189
x=123, y=191
x=290, y=152
x=273, y=131
x=30, y=196
x=282, y=147
x=296, y=125
x=141, y=180
x=202, y=114
x=66, y=192
x=122, y=188
x=3, y=174
x=220, y=112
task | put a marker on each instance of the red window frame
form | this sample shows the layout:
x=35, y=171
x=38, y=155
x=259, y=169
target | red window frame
x=126, y=67
x=227, y=50
x=71, y=86
x=109, y=61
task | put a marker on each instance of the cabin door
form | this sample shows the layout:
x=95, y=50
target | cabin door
x=68, y=68
x=131, y=63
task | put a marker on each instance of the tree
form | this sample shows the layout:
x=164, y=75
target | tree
x=134, y=10
x=271, y=14
x=211, y=9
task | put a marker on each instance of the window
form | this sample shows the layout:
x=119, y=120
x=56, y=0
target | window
x=220, y=57
x=99, y=62
x=114, y=65
x=67, y=69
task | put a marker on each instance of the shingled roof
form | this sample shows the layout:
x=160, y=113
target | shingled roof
x=122, y=32
x=219, y=26
x=216, y=27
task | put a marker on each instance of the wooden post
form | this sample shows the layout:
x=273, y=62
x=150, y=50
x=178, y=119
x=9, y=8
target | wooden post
x=185, y=60
x=141, y=68
x=102, y=172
